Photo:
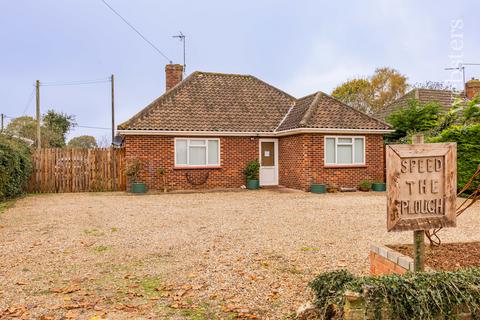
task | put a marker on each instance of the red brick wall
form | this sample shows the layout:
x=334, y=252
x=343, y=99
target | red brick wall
x=381, y=266
x=291, y=170
x=345, y=177
x=158, y=152
x=302, y=163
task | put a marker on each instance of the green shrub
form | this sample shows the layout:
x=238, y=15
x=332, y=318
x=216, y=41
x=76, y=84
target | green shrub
x=252, y=170
x=435, y=295
x=468, y=151
x=15, y=167
x=416, y=117
x=133, y=170
x=365, y=184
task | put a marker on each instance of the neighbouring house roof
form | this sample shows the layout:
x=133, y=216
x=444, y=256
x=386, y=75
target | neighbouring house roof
x=216, y=102
x=444, y=97
x=26, y=140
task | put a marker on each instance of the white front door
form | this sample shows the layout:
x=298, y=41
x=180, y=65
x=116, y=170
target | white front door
x=268, y=158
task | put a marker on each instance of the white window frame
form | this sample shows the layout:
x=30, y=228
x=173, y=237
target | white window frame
x=336, y=164
x=206, y=165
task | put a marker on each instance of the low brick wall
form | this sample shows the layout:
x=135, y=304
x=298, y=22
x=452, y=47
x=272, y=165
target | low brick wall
x=384, y=260
x=355, y=309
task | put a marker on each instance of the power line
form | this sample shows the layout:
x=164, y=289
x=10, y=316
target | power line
x=29, y=101
x=90, y=127
x=77, y=126
x=74, y=83
x=138, y=32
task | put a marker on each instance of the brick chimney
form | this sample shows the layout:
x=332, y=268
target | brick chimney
x=174, y=75
x=472, y=88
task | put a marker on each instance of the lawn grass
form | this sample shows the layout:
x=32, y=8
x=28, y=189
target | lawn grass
x=7, y=204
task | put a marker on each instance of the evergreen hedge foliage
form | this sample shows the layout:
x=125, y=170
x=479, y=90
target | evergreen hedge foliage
x=15, y=167
x=436, y=295
x=468, y=150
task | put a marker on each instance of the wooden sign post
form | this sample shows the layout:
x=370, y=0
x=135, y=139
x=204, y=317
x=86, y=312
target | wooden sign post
x=421, y=189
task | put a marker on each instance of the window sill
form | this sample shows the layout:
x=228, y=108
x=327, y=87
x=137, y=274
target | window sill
x=344, y=166
x=195, y=167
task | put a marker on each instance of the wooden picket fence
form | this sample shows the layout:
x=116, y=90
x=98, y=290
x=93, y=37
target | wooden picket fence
x=78, y=170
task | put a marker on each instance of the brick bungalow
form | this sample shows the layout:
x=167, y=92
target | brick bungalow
x=204, y=129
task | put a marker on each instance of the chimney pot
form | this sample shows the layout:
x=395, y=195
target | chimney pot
x=472, y=88
x=173, y=75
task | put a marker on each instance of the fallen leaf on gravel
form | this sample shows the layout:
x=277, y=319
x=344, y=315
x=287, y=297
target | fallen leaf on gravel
x=17, y=311
x=71, y=288
x=72, y=314
x=198, y=287
x=126, y=307
x=21, y=283
x=46, y=317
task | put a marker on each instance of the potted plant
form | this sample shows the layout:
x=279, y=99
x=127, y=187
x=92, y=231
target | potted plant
x=332, y=188
x=132, y=172
x=318, y=188
x=365, y=185
x=251, y=172
x=379, y=186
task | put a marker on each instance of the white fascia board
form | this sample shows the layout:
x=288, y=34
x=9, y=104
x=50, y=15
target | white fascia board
x=254, y=134
x=332, y=130
x=192, y=133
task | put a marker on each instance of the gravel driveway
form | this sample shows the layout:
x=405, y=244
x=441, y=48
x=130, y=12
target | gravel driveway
x=185, y=256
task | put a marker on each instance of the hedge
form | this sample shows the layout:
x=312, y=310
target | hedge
x=468, y=151
x=435, y=295
x=15, y=167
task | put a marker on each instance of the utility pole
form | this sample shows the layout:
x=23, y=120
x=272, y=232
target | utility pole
x=2, y=122
x=37, y=86
x=112, y=80
x=114, y=162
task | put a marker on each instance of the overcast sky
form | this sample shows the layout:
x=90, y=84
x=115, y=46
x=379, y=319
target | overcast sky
x=298, y=46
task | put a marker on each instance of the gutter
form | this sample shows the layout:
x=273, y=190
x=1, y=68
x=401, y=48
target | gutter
x=250, y=134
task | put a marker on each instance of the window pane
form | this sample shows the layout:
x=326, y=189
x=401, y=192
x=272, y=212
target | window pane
x=330, y=150
x=213, y=152
x=344, y=153
x=198, y=156
x=359, y=147
x=181, y=152
x=344, y=140
x=197, y=142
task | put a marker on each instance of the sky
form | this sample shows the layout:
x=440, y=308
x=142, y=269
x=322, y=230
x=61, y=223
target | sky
x=298, y=46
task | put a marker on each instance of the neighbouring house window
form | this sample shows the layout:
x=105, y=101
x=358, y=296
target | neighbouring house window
x=344, y=150
x=197, y=152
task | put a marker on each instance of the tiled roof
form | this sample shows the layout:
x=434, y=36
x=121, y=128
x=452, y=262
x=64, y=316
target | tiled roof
x=444, y=97
x=320, y=110
x=242, y=103
x=215, y=102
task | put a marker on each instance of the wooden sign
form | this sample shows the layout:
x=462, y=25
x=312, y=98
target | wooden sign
x=421, y=186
